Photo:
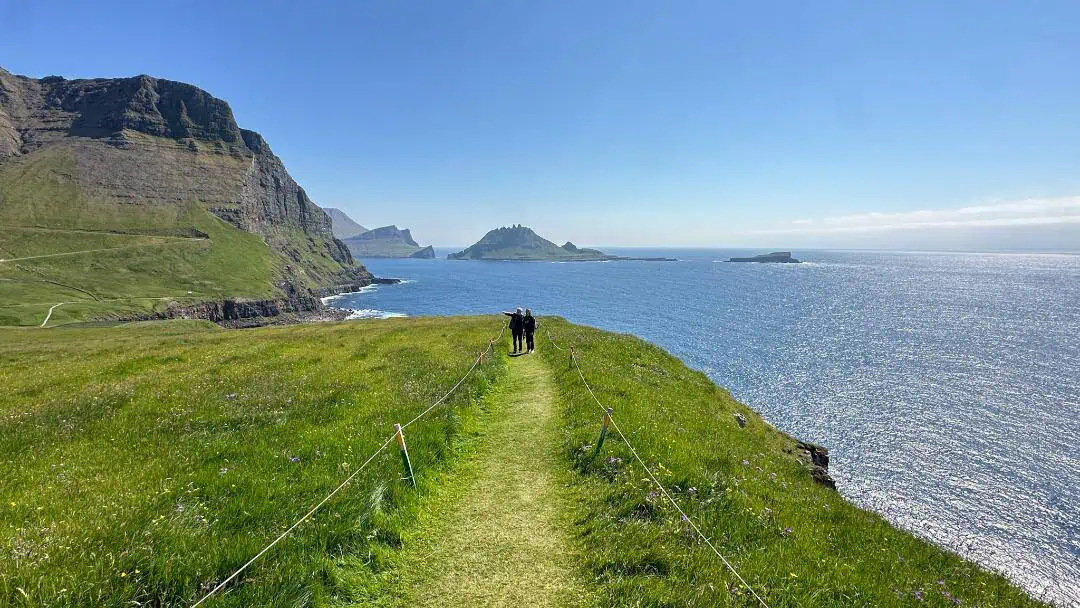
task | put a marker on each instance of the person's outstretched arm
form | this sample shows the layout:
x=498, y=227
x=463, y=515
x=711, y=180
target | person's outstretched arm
x=509, y=314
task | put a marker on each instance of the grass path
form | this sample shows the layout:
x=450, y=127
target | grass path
x=498, y=534
x=100, y=249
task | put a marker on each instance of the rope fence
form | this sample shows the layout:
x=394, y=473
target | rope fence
x=608, y=417
x=396, y=435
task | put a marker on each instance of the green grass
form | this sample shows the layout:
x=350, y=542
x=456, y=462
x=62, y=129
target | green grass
x=140, y=276
x=144, y=463
x=42, y=190
x=495, y=530
x=118, y=256
x=16, y=242
x=796, y=542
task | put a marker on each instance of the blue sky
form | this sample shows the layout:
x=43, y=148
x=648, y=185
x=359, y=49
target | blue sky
x=630, y=123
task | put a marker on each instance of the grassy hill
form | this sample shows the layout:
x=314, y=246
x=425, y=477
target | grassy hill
x=146, y=462
x=121, y=196
x=521, y=243
x=97, y=273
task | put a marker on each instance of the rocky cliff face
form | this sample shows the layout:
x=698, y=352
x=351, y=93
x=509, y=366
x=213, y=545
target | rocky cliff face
x=387, y=242
x=146, y=147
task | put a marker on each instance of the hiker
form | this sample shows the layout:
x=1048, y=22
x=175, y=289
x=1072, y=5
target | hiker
x=528, y=324
x=517, y=326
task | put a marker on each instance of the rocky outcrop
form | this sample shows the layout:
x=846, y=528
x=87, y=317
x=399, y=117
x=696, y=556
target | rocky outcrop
x=521, y=243
x=424, y=253
x=37, y=112
x=776, y=257
x=817, y=459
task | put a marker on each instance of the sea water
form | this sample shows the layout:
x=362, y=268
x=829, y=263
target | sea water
x=946, y=385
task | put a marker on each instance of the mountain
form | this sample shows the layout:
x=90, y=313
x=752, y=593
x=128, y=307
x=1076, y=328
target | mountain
x=387, y=242
x=343, y=225
x=521, y=243
x=124, y=197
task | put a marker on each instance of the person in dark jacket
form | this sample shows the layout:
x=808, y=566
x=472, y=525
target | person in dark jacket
x=517, y=327
x=528, y=324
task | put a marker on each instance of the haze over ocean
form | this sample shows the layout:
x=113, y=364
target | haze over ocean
x=946, y=385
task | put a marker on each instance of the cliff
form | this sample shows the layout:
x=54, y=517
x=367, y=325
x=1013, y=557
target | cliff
x=387, y=242
x=146, y=156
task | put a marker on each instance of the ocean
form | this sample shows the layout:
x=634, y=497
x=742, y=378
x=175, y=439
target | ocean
x=946, y=385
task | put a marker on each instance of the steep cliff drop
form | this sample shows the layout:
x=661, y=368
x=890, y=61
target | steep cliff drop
x=144, y=161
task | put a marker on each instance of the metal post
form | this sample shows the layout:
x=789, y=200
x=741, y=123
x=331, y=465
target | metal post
x=404, y=454
x=571, y=354
x=603, y=432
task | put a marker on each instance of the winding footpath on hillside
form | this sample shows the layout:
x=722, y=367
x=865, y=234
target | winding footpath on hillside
x=497, y=534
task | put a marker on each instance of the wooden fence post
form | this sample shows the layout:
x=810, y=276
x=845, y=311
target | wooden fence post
x=406, y=463
x=603, y=432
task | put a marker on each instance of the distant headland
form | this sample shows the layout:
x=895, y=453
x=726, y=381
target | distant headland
x=776, y=257
x=522, y=244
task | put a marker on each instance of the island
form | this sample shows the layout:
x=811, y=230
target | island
x=776, y=257
x=520, y=243
x=387, y=242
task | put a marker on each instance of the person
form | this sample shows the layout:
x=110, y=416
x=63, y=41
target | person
x=517, y=327
x=528, y=324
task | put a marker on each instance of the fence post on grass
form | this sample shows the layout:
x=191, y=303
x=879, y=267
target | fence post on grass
x=404, y=454
x=603, y=432
x=482, y=353
x=571, y=354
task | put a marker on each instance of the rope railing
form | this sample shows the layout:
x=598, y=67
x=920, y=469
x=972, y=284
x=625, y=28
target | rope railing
x=322, y=502
x=637, y=457
x=306, y=516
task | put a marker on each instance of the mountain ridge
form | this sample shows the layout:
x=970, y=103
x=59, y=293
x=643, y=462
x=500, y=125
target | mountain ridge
x=342, y=225
x=150, y=156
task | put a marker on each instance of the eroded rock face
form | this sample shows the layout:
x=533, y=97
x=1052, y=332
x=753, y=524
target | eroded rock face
x=387, y=242
x=818, y=461
x=42, y=110
x=161, y=145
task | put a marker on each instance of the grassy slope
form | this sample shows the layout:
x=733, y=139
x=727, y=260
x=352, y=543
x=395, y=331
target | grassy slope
x=796, y=542
x=135, y=278
x=41, y=190
x=135, y=265
x=495, y=532
x=144, y=463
